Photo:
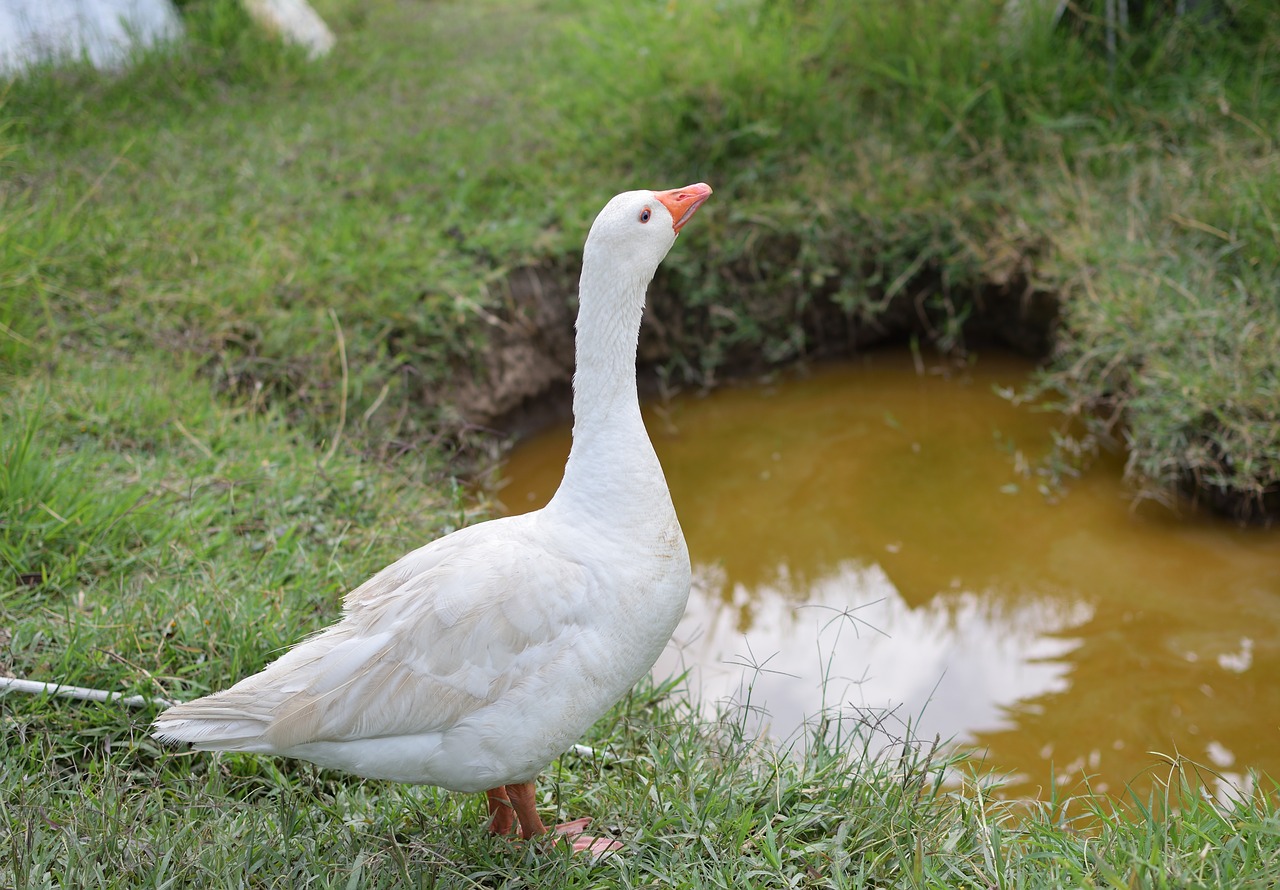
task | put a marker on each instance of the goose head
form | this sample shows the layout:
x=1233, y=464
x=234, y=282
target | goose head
x=634, y=231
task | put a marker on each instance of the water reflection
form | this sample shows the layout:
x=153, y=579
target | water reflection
x=849, y=640
x=875, y=527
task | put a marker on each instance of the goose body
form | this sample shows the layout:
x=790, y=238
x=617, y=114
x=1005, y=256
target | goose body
x=474, y=661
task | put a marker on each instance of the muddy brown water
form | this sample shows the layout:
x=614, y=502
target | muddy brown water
x=867, y=538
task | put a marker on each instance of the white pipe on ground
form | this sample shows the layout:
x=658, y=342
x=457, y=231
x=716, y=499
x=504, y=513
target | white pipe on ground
x=82, y=693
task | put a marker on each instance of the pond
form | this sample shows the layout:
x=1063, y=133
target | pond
x=871, y=538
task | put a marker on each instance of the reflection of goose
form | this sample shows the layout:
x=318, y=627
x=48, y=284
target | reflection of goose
x=474, y=661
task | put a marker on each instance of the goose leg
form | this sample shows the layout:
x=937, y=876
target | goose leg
x=523, y=799
x=501, y=815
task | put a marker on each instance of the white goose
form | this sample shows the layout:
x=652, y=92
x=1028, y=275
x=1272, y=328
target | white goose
x=471, y=663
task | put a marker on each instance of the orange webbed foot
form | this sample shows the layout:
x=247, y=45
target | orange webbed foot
x=596, y=847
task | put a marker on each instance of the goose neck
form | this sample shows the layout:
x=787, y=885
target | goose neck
x=611, y=459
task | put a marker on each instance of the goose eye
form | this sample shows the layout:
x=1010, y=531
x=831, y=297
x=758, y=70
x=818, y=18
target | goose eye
x=644, y=215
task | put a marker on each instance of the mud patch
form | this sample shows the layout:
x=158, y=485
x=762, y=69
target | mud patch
x=530, y=355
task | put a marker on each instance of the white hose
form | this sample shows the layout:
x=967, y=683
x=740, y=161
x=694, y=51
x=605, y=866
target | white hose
x=82, y=693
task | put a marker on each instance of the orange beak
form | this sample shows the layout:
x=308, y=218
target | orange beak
x=683, y=202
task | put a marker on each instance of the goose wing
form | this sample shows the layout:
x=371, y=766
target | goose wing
x=430, y=640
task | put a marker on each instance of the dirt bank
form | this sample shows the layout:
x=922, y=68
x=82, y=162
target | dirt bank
x=526, y=378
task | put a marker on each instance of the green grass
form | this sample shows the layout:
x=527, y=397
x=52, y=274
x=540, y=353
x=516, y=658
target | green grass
x=238, y=292
x=698, y=804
